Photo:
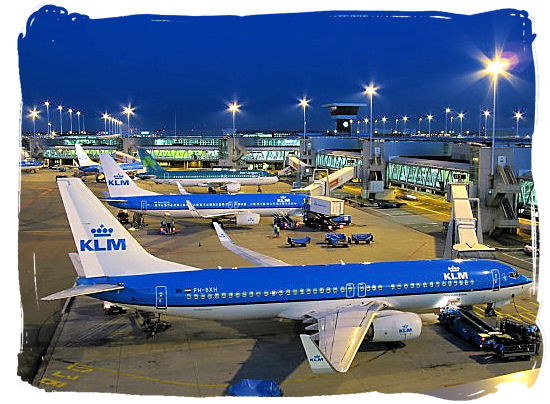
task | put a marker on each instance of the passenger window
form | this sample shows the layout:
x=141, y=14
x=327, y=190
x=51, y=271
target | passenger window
x=280, y=292
x=368, y=288
x=216, y=295
x=398, y=286
x=342, y=289
x=287, y=292
x=455, y=283
x=373, y=288
x=405, y=285
x=361, y=287
x=251, y=294
x=424, y=285
x=308, y=291
x=273, y=293
x=460, y=282
x=471, y=282
x=188, y=296
x=258, y=294
x=379, y=287
x=224, y=295
x=210, y=295
x=195, y=296
x=321, y=290
x=203, y=296
x=315, y=291
x=466, y=282
x=301, y=291
x=412, y=285
x=294, y=292
x=418, y=285
x=392, y=286
x=266, y=293
x=230, y=295
x=335, y=290
x=237, y=294
x=443, y=283
x=437, y=284
x=431, y=284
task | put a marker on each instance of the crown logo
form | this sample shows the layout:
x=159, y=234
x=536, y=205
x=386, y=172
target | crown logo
x=118, y=176
x=102, y=231
x=453, y=269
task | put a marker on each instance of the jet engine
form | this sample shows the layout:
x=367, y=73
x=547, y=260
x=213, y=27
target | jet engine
x=247, y=219
x=393, y=326
x=233, y=188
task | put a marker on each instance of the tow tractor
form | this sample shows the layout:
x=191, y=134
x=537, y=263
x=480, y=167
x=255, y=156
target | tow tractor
x=285, y=222
x=167, y=226
x=507, y=340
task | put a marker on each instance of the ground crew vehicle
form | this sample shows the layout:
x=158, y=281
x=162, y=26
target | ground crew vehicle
x=367, y=238
x=167, y=225
x=336, y=239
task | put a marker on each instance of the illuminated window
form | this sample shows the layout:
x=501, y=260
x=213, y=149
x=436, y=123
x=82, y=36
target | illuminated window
x=466, y=282
x=230, y=295
x=287, y=292
x=418, y=285
x=280, y=292
x=224, y=295
x=188, y=296
x=431, y=284
x=301, y=291
x=308, y=291
x=315, y=291
x=392, y=286
x=266, y=293
x=335, y=290
x=379, y=287
x=210, y=295
x=405, y=285
x=424, y=285
x=294, y=292
x=437, y=284
x=216, y=295
x=237, y=294
x=455, y=283
x=321, y=290
x=202, y=296
x=258, y=294
x=373, y=288
x=342, y=289
x=368, y=288
x=273, y=293
x=195, y=296
x=443, y=283
x=460, y=282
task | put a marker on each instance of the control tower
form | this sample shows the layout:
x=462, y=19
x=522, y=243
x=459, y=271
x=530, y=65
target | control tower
x=344, y=114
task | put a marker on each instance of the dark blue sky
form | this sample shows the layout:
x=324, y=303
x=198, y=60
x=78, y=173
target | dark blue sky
x=195, y=65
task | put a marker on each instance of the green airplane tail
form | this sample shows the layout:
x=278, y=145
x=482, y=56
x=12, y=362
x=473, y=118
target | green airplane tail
x=148, y=161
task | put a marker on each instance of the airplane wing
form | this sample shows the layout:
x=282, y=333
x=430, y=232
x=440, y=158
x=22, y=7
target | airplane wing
x=181, y=188
x=340, y=333
x=252, y=256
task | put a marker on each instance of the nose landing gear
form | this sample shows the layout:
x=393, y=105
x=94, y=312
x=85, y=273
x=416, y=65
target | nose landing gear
x=489, y=310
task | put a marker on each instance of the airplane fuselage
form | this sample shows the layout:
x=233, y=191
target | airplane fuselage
x=96, y=168
x=213, y=177
x=213, y=204
x=291, y=292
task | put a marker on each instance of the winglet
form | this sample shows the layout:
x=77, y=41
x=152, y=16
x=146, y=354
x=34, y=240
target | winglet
x=317, y=361
x=181, y=188
x=192, y=208
x=224, y=238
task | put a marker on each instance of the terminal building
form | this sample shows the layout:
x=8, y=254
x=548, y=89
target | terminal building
x=413, y=161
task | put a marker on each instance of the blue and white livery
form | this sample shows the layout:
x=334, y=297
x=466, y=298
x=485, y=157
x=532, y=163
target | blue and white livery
x=87, y=165
x=343, y=304
x=245, y=208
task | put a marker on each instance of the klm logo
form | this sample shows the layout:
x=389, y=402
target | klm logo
x=316, y=358
x=283, y=199
x=405, y=329
x=118, y=181
x=454, y=274
x=102, y=240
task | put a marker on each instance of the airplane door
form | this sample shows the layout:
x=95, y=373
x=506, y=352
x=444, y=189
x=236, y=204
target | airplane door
x=350, y=290
x=143, y=205
x=161, y=298
x=361, y=290
x=496, y=279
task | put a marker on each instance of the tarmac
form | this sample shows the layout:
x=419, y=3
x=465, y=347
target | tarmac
x=90, y=351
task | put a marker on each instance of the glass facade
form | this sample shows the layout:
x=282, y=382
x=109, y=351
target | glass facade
x=434, y=178
x=527, y=188
x=184, y=155
x=336, y=162
x=57, y=153
x=270, y=156
x=188, y=141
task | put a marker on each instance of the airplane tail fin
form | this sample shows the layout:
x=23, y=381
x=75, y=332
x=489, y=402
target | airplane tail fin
x=105, y=247
x=83, y=159
x=118, y=182
x=148, y=161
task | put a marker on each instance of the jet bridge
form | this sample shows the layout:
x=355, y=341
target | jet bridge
x=324, y=186
x=464, y=233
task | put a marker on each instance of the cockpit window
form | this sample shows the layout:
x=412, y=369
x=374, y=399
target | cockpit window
x=514, y=275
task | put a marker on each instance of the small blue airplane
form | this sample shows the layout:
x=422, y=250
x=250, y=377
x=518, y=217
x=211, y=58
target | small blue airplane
x=30, y=165
x=228, y=179
x=343, y=304
x=87, y=165
x=246, y=209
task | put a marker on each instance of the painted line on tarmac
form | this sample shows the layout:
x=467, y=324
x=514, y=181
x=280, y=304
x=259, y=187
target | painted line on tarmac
x=33, y=200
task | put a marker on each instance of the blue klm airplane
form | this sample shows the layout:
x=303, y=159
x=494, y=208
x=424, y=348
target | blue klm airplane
x=87, y=165
x=246, y=209
x=343, y=304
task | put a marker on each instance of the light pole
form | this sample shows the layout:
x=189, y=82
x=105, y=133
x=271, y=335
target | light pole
x=83, y=124
x=128, y=110
x=233, y=108
x=384, y=119
x=495, y=67
x=105, y=116
x=419, y=125
x=447, y=112
x=78, y=119
x=71, y=119
x=375, y=125
x=461, y=117
x=370, y=91
x=304, y=103
x=396, y=122
x=405, y=118
x=486, y=113
x=518, y=115
x=366, y=121
x=47, y=104
x=60, y=108
x=430, y=117
x=451, y=130
x=33, y=114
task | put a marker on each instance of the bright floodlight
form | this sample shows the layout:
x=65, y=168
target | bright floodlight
x=486, y=113
x=234, y=107
x=370, y=90
x=304, y=103
x=497, y=66
x=461, y=115
x=70, y=110
x=447, y=110
x=384, y=119
x=366, y=120
x=47, y=103
x=78, y=112
x=128, y=110
x=33, y=113
x=430, y=117
x=405, y=118
x=105, y=116
x=518, y=115
x=60, y=107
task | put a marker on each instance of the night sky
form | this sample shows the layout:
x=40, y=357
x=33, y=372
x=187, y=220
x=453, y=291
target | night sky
x=194, y=66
